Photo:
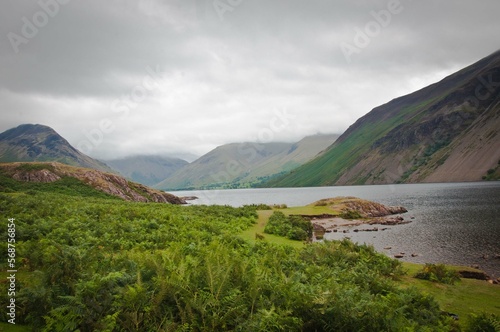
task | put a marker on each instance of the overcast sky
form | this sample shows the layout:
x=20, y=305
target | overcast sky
x=118, y=78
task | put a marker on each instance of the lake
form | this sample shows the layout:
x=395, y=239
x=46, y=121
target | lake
x=453, y=223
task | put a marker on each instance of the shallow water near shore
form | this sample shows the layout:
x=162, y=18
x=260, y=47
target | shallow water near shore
x=453, y=223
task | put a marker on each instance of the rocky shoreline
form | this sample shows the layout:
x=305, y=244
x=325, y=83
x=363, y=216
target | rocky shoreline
x=354, y=212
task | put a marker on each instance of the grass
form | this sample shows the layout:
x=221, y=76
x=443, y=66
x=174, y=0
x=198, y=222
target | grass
x=7, y=327
x=469, y=296
x=258, y=228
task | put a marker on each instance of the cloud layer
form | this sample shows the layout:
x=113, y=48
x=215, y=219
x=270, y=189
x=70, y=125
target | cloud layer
x=119, y=78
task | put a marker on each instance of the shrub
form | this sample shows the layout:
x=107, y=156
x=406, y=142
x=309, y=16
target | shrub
x=351, y=214
x=483, y=323
x=292, y=227
x=438, y=273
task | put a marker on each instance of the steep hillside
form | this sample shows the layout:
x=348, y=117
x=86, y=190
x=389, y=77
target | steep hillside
x=447, y=131
x=148, y=170
x=245, y=164
x=14, y=175
x=30, y=142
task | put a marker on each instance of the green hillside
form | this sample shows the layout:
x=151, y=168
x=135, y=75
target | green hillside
x=148, y=170
x=247, y=164
x=439, y=133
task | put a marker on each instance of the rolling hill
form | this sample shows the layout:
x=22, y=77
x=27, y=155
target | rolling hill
x=57, y=177
x=35, y=142
x=445, y=132
x=245, y=164
x=148, y=170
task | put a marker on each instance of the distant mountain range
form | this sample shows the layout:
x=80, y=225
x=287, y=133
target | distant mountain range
x=247, y=164
x=448, y=131
x=231, y=165
x=35, y=142
x=148, y=170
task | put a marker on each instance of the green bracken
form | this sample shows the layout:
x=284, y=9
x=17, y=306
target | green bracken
x=95, y=263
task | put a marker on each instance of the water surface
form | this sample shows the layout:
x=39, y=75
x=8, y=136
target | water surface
x=454, y=223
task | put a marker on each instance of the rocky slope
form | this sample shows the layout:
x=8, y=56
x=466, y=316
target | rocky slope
x=245, y=164
x=34, y=142
x=448, y=131
x=109, y=183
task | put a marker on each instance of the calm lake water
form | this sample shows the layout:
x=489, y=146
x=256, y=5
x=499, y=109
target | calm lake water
x=454, y=223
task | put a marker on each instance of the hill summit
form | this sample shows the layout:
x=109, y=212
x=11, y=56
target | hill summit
x=39, y=143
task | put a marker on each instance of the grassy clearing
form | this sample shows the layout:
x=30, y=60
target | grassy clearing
x=466, y=297
x=469, y=296
x=258, y=228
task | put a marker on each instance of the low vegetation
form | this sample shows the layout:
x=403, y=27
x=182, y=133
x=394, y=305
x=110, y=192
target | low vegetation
x=292, y=227
x=493, y=173
x=438, y=273
x=89, y=262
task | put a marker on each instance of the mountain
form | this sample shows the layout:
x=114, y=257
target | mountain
x=448, y=131
x=148, y=170
x=245, y=164
x=34, y=142
x=15, y=176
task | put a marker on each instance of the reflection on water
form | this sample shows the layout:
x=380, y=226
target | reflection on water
x=455, y=223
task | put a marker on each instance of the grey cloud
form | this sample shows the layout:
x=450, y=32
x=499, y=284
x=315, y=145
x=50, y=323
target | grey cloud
x=224, y=74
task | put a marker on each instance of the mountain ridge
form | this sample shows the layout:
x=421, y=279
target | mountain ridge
x=237, y=165
x=40, y=143
x=146, y=169
x=410, y=137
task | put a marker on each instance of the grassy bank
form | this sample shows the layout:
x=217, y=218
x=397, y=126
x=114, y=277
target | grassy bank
x=469, y=296
x=466, y=298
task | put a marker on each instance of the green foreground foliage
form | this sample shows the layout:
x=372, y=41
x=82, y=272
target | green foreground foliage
x=99, y=264
x=438, y=273
x=292, y=227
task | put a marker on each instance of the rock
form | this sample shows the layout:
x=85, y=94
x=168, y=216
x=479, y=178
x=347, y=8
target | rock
x=108, y=183
x=189, y=198
x=318, y=227
x=399, y=256
x=42, y=176
x=479, y=275
x=414, y=255
x=388, y=248
x=452, y=315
